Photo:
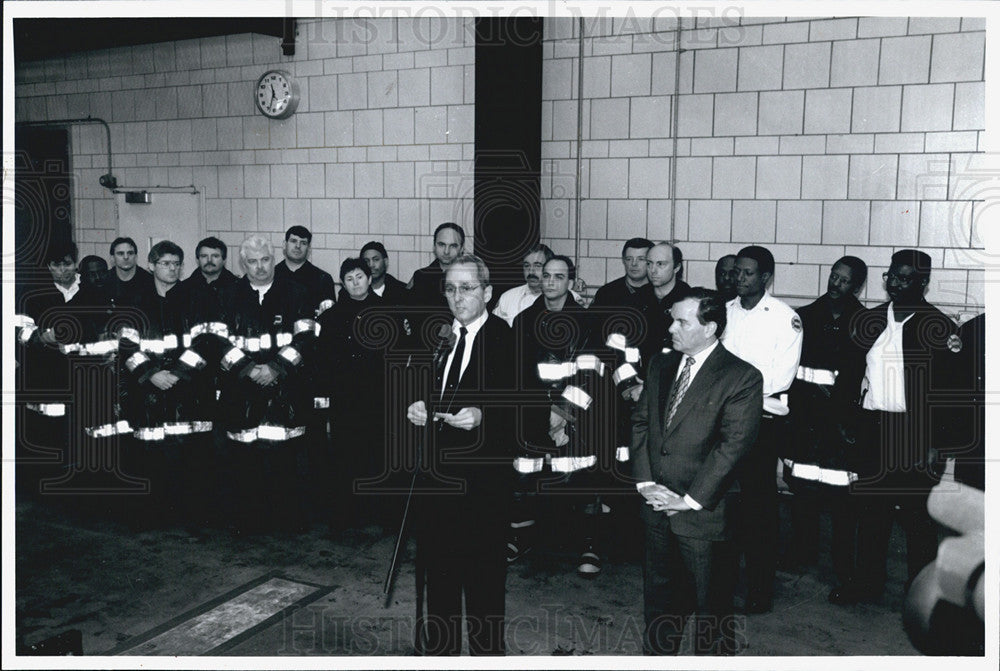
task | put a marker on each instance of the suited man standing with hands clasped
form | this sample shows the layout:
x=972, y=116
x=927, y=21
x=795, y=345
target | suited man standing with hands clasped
x=698, y=415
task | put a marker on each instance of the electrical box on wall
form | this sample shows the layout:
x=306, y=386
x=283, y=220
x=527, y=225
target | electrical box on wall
x=143, y=197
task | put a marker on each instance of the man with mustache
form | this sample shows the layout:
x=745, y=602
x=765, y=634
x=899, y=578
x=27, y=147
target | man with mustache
x=212, y=277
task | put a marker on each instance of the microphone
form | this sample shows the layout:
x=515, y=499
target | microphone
x=446, y=341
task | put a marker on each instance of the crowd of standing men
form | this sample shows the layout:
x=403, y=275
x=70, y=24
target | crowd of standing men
x=257, y=401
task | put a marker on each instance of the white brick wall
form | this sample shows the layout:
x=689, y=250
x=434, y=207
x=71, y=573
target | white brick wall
x=816, y=137
x=380, y=147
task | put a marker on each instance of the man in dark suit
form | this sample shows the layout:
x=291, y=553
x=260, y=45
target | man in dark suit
x=465, y=488
x=698, y=415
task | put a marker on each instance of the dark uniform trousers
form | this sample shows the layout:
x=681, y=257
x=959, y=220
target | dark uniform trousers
x=882, y=494
x=756, y=517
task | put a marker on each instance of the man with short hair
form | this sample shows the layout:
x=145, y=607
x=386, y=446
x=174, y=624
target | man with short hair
x=553, y=338
x=619, y=292
x=725, y=283
x=898, y=359
x=697, y=417
x=265, y=400
x=463, y=495
x=43, y=378
x=764, y=332
x=384, y=285
x=168, y=398
x=514, y=301
x=815, y=468
x=427, y=283
x=93, y=272
x=297, y=267
x=662, y=289
x=127, y=281
x=205, y=285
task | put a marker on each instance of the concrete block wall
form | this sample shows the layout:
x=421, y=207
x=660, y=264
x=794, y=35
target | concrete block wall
x=814, y=137
x=381, y=146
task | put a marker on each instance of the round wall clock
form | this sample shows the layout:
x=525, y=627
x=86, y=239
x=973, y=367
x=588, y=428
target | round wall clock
x=277, y=94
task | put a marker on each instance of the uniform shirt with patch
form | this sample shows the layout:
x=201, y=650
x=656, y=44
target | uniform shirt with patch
x=769, y=337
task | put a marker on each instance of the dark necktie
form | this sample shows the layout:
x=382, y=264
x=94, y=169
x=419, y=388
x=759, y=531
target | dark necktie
x=455, y=372
x=680, y=387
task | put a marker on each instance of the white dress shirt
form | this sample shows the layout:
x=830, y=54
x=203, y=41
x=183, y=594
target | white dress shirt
x=70, y=291
x=471, y=331
x=883, y=386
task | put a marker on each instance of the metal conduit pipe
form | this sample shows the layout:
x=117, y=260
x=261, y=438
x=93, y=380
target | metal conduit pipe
x=579, y=146
x=674, y=106
x=112, y=183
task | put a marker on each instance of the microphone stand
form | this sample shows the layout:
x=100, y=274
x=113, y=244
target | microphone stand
x=445, y=336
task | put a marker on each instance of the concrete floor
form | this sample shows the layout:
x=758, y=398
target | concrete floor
x=79, y=570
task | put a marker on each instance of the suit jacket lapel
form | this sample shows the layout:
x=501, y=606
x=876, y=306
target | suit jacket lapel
x=701, y=383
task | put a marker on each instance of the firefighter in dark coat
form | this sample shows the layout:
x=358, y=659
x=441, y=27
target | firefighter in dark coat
x=266, y=402
x=815, y=465
x=352, y=377
x=566, y=436
x=167, y=364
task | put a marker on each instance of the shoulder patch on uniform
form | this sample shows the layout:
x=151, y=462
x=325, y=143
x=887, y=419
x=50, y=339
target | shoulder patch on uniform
x=796, y=324
x=954, y=343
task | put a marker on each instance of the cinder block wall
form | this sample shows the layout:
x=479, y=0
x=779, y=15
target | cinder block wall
x=814, y=137
x=381, y=145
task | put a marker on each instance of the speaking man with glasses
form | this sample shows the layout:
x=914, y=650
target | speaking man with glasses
x=897, y=362
x=463, y=493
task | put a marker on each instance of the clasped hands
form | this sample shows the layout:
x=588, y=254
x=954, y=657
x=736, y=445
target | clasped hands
x=466, y=418
x=662, y=499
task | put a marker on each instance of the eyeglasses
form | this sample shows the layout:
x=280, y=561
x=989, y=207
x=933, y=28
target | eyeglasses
x=169, y=264
x=462, y=289
x=901, y=280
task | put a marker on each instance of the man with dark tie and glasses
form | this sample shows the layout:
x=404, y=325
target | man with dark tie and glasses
x=463, y=493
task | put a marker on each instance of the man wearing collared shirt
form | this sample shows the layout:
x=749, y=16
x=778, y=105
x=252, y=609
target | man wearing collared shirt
x=764, y=332
x=698, y=415
x=463, y=493
x=898, y=359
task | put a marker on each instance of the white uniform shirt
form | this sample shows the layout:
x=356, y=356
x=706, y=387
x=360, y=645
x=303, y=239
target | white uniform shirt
x=883, y=386
x=515, y=301
x=769, y=337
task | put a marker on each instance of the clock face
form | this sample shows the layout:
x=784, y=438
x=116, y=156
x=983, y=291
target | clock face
x=277, y=94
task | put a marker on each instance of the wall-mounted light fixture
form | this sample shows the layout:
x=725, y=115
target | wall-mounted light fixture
x=138, y=197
